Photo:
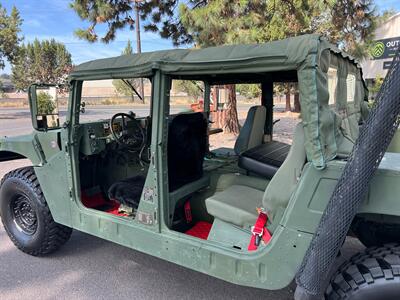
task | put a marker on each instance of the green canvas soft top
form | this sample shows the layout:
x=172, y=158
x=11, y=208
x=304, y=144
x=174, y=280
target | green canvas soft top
x=310, y=55
x=285, y=54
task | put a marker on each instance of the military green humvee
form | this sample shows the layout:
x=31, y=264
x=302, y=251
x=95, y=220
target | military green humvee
x=246, y=215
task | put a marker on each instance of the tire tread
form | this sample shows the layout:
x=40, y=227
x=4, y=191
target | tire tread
x=365, y=268
x=56, y=234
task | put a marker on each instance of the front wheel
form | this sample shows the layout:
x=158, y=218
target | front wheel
x=26, y=216
x=373, y=274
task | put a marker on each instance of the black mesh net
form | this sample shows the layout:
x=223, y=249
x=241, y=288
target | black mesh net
x=375, y=136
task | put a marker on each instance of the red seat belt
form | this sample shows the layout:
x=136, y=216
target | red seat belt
x=188, y=212
x=259, y=231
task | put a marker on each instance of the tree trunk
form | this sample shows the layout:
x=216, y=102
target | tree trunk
x=214, y=95
x=297, y=102
x=231, y=121
x=288, y=106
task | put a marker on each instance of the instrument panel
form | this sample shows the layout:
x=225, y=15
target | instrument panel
x=96, y=135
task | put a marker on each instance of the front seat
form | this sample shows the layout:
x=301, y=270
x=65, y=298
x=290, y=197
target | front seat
x=252, y=132
x=237, y=204
x=187, y=147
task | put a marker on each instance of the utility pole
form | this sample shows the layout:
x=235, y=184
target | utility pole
x=138, y=44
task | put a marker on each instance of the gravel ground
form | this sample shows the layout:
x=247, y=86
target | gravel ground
x=283, y=130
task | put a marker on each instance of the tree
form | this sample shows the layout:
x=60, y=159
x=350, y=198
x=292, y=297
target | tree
x=279, y=90
x=191, y=88
x=347, y=23
x=250, y=91
x=2, y=78
x=114, y=13
x=351, y=25
x=376, y=85
x=160, y=16
x=288, y=106
x=46, y=105
x=232, y=121
x=41, y=62
x=125, y=87
x=9, y=39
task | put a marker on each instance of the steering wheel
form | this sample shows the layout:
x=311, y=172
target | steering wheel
x=133, y=137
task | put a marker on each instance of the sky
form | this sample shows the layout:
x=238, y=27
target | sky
x=45, y=19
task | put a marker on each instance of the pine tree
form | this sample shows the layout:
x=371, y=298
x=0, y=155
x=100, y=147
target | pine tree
x=10, y=27
x=44, y=61
x=347, y=23
x=159, y=16
x=124, y=87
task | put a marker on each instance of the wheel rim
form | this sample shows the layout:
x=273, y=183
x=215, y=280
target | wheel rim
x=24, y=216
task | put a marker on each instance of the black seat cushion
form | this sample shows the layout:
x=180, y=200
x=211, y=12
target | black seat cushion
x=187, y=146
x=127, y=191
x=265, y=159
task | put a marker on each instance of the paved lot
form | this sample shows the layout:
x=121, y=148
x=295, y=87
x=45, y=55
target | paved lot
x=90, y=268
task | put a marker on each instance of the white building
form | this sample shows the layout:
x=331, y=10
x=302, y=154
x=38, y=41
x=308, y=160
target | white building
x=387, y=43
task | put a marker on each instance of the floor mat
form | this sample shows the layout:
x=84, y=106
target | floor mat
x=97, y=201
x=200, y=230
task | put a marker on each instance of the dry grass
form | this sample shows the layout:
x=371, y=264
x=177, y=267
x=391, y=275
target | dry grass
x=110, y=101
x=16, y=104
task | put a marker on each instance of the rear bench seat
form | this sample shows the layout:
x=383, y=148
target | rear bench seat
x=265, y=159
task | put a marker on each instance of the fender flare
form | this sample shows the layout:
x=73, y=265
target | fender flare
x=23, y=147
x=9, y=155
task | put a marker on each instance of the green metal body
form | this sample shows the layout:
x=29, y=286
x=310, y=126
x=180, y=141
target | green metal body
x=395, y=144
x=273, y=267
x=55, y=157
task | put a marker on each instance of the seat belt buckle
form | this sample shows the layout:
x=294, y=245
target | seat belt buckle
x=257, y=234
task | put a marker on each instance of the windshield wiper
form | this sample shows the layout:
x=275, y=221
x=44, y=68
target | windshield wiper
x=133, y=88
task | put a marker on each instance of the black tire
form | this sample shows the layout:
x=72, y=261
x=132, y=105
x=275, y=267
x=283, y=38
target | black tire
x=26, y=216
x=370, y=275
x=372, y=233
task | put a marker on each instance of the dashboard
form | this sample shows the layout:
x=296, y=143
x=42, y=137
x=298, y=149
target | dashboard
x=96, y=135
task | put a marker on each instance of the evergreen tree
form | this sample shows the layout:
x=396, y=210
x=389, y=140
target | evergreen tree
x=193, y=89
x=347, y=23
x=159, y=16
x=124, y=87
x=9, y=39
x=41, y=62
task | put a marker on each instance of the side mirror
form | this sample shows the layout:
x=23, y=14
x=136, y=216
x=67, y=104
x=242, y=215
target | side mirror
x=44, y=107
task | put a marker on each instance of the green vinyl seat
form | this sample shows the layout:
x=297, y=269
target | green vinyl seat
x=252, y=132
x=237, y=203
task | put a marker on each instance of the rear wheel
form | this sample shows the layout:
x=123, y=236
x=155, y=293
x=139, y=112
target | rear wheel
x=26, y=216
x=373, y=274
